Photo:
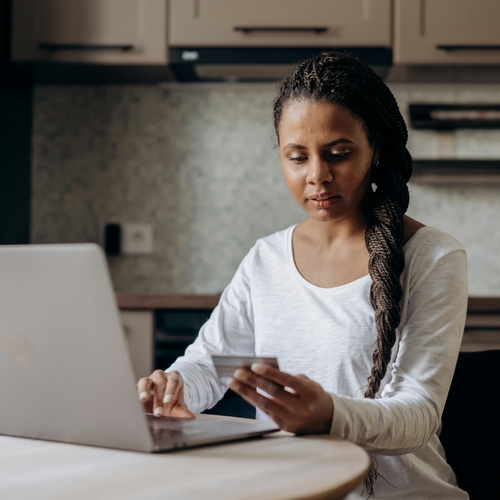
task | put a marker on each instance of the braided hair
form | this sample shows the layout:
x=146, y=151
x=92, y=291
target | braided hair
x=338, y=78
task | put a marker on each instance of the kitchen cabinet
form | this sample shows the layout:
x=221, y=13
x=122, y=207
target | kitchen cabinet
x=137, y=312
x=138, y=329
x=176, y=320
x=482, y=325
x=159, y=327
x=280, y=23
x=446, y=32
x=102, y=32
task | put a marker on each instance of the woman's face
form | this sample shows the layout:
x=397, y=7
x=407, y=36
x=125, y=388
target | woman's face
x=326, y=158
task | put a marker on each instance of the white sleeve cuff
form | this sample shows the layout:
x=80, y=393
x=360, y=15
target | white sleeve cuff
x=338, y=427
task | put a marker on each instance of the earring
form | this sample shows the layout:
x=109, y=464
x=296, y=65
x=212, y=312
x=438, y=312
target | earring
x=376, y=164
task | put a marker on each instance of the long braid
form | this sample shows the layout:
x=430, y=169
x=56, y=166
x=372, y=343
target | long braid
x=384, y=239
x=340, y=79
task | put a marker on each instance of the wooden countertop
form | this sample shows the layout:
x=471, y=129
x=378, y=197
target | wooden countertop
x=143, y=300
x=130, y=300
x=479, y=305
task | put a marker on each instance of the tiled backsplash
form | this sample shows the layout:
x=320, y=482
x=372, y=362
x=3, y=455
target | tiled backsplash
x=202, y=167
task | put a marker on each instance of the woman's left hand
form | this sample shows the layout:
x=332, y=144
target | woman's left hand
x=304, y=407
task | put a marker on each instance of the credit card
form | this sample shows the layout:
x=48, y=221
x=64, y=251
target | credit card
x=227, y=365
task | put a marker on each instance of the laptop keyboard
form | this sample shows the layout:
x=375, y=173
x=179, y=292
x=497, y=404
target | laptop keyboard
x=161, y=434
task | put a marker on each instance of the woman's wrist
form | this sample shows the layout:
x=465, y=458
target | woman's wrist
x=327, y=420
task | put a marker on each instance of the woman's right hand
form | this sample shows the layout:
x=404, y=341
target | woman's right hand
x=163, y=394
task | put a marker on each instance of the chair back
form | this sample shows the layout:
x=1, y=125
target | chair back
x=471, y=424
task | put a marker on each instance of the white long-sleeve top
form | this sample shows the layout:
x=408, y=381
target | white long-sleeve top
x=329, y=334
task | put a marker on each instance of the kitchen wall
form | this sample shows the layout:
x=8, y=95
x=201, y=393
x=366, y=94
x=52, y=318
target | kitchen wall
x=201, y=166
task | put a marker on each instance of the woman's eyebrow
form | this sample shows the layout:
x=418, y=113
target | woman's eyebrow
x=342, y=140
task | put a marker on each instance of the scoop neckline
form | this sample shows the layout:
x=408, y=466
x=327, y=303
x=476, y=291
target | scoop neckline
x=336, y=289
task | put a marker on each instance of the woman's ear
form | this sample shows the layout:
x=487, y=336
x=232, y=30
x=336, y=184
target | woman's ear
x=374, y=166
x=375, y=158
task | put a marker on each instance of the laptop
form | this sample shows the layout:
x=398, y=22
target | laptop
x=65, y=371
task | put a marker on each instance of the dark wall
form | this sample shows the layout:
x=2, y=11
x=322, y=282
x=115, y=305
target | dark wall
x=15, y=143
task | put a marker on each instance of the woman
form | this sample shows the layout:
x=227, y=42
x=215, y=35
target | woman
x=363, y=306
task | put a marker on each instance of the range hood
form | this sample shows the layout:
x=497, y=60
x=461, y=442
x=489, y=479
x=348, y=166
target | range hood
x=247, y=64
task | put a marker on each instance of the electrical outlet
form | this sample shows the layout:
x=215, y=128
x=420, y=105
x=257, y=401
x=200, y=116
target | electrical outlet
x=136, y=239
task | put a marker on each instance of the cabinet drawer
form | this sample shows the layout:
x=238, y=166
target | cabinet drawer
x=280, y=23
x=90, y=31
x=446, y=32
x=480, y=340
x=138, y=329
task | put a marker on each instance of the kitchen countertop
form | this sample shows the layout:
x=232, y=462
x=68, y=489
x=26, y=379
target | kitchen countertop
x=478, y=305
x=144, y=300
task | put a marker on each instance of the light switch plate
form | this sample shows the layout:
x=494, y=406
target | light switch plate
x=137, y=239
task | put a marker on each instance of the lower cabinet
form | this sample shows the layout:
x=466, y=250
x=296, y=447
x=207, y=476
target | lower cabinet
x=138, y=329
x=174, y=330
x=156, y=338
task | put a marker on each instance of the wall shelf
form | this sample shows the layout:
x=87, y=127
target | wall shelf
x=453, y=171
x=454, y=116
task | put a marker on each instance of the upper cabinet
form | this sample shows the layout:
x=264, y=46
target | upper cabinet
x=157, y=40
x=447, y=32
x=90, y=31
x=280, y=23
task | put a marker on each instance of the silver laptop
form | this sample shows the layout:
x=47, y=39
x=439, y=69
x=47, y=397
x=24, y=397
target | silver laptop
x=65, y=371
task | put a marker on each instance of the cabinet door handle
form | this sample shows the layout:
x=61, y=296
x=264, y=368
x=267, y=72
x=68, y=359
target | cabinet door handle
x=284, y=29
x=53, y=47
x=452, y=48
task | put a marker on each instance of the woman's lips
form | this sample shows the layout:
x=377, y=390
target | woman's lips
x=323, y=201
